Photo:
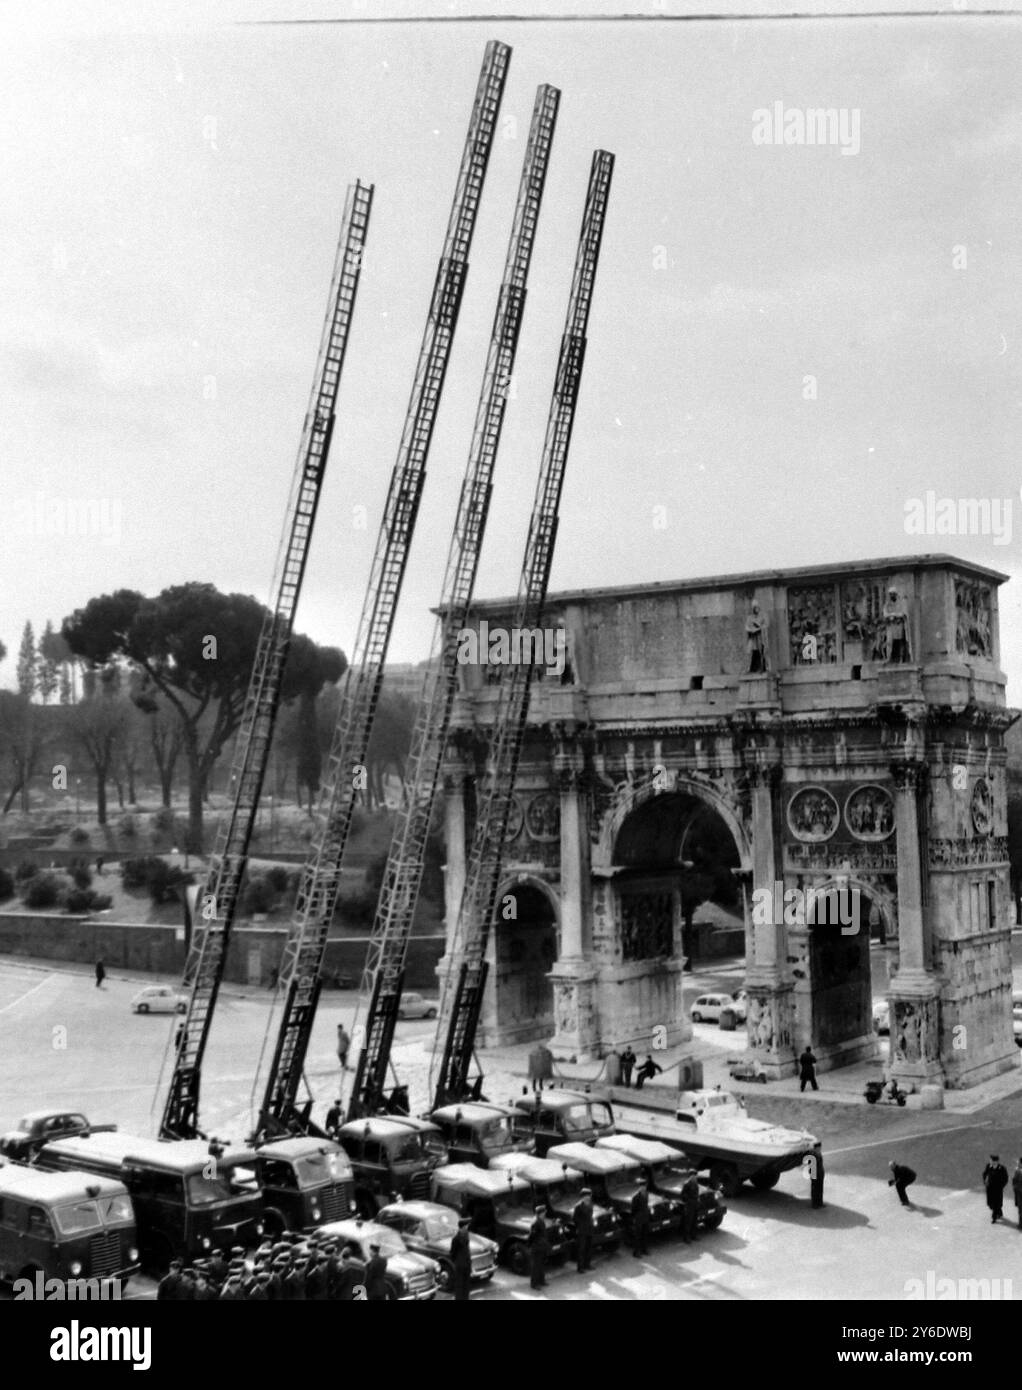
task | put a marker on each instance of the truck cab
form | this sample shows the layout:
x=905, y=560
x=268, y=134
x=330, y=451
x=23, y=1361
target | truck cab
x=186, y=1197
x=476, y=1131
x=498, y=1204
x=391, y=1156
x=304, y=1182
x=667, y=1172
x=68, y=1226
x=614, y=1178
x=564, y=1117
x=559, y=1190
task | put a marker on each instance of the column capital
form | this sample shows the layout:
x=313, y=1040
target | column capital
x=908, y=774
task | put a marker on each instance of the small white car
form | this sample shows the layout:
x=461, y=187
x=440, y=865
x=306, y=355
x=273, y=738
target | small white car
x=416, y=1006
x=158, y=999
x=881, y=1016
x=708, y=1008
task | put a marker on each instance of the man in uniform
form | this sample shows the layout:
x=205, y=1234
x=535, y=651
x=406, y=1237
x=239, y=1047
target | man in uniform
x=335, y=1117
x=628, y=1060
x=375, y=1276
x=170, y=1285
x=539, y=1248
x=584, y=1230
x=217, y=1268
x=690, y=1208
x=461, y=1260
x=316, y=1283
x=995, y=1180
x=232, y=1291
x=350, y=1286
x=640, y=1220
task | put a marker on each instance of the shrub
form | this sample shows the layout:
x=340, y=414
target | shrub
x=79, y=836
x=43, y=891
x=81, y=874
x=135, y=873
x=163, y=820
x=258, y=896
x=86, y=900
x=25, y=870
x=278, y=878
x=152, y=872
x=127, y=828
x=6, y=885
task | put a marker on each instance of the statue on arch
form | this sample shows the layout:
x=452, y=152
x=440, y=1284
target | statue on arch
x=897, y=644
x=756, y=639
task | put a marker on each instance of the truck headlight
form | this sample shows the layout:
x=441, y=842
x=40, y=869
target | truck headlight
x=206, y=1242
x=259, y=1228
x=76, y=1267
x=132, y=1255
x=316, y=1213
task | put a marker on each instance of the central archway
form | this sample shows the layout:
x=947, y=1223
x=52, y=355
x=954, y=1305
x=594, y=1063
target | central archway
x=524, y=953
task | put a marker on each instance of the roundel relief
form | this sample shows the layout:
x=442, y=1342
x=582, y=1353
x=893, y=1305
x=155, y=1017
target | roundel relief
x=869, y=813
x=813, y=814
x=543, y=818
x=982, y=808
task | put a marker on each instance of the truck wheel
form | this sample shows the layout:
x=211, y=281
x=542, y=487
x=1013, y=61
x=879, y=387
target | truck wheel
x=274, y=1224
x=870, y=1098
x=445, y=1276
x=517, y=1257
x=725, y=1176
x=763, y=1182
x=712, y=1222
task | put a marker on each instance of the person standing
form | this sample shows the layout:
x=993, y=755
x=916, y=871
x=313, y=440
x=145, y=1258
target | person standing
x=539, y=1247
x=807, y=1070
x=169, y=1287
x=350, y=1287
x=640, y=1221
x=901, y=1177
x=100, y=974
x=646, y=1072
x=343, y=1046
x=690, y=1208
x=816, y=1173
x=995, y=1180
x=1016, y=1187
x=375, y=1278
x=584, y=1231
x=627, y=1065
x=461, y=1262
x=335, y=1116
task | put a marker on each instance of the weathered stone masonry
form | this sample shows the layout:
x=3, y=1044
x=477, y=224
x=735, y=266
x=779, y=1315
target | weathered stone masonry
x=846, y=723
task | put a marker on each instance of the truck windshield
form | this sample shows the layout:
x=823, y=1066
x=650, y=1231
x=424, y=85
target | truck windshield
x=627, y=1177
x=496, y=1135
x=512, y=1202
x=316, y=1169
x=203, y=1191
x=561, y=1192
x=90, y=1215
x=580, y=1118
x=441, y=1227
x=417, y=1147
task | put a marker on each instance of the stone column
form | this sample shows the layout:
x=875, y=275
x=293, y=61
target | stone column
x=573, y=977
x=767, y=977
x=455, y=867
x=914, y=992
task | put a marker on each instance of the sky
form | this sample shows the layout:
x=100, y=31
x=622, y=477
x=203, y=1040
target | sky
x=788, y=343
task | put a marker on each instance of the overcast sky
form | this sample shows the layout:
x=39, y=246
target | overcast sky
x=172, y=201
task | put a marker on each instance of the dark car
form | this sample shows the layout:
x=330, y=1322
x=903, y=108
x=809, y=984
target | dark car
x=38, y=1127
x=564, y=1117
x=615, y=1179
x=666, y=1171
x=499, y=1206
x=559, y=1190
x=427, y=1228
x=476, y=1131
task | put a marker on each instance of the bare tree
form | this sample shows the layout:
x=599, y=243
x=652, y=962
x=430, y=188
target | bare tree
x=99, y=723
x=22, y=739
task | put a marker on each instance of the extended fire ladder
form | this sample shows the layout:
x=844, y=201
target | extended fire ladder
x=384, y=969
x=466, y=978
x=216, y=907
x=309, y=928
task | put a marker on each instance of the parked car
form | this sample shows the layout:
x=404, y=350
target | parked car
x=427, y=1228
x=709, y=1007
x=411, y=1277
x=881, y=1016
x=416, y=1006
x=1016, y=1028
x=158, y=999
x=38, y=1127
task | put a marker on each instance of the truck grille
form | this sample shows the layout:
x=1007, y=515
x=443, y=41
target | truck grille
x=104, y=1254
x=419, y=1283
x=482, y=1264
x=335, y=1201
x=418, y=1187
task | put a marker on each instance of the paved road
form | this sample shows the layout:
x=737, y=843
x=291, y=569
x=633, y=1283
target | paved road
x=67, y=1043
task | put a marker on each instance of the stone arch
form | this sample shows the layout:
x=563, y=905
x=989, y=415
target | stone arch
x=878, y=895
x=631, y=795
x=519, y=999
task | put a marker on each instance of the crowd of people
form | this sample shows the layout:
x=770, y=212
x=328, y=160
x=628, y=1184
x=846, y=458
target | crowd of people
x=295, y=1267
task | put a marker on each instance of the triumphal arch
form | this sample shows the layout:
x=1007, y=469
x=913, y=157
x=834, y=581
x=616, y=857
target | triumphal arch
x=842, y=727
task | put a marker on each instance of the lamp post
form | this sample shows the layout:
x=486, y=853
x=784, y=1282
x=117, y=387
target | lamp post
x=78, y=799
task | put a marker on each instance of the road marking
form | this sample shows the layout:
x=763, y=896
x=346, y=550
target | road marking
x=906, y=1138
x=21, y=997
